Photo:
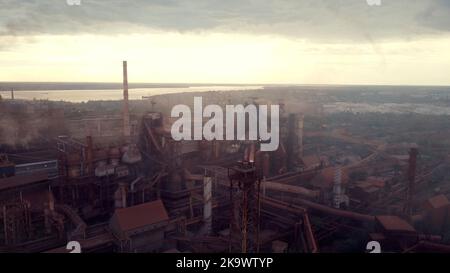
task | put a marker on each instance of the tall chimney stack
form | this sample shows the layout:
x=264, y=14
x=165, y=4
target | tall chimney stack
x=12, y=94
x=411, y=176
x=126, y=113
x=300, y=135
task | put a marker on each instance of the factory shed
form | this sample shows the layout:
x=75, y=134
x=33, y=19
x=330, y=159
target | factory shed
x=394, y=224
x=368, y=190
x=436, y=202
x=396, y=234
x=20, y=181
x=437, y=212
x=140, y=228
x=365, y=193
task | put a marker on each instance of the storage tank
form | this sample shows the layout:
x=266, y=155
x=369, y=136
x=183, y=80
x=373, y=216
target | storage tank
x=131, y=154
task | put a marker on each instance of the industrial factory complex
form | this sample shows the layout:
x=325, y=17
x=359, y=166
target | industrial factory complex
x=113, y=179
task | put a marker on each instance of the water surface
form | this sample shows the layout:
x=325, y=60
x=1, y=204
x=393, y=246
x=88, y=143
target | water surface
x=114, y=94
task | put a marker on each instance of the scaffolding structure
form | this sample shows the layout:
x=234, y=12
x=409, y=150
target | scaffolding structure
x=245, y=208
x=16, y=222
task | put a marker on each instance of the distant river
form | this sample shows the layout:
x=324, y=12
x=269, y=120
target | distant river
x=114, y=94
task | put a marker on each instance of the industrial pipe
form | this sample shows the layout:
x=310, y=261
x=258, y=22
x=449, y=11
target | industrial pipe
x=337, y=212
x=289, y=189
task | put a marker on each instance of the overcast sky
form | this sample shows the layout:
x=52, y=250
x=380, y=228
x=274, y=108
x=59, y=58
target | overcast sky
x=227, y=41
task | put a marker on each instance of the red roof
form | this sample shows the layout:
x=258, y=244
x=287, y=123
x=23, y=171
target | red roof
x=141, y=215
x=395, y=223
x=438, y=201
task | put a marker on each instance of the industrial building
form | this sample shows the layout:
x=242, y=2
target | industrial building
x=120, y=183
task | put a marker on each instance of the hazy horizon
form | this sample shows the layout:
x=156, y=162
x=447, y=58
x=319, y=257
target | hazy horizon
x=57, y=85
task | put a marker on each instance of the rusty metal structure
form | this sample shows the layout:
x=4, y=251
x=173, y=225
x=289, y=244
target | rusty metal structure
x=245, y=207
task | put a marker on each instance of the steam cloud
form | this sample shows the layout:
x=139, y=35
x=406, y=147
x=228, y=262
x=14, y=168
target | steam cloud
x=21, y=131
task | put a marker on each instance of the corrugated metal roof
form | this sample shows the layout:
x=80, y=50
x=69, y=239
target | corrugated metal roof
x=141, y=215
x=395, y=223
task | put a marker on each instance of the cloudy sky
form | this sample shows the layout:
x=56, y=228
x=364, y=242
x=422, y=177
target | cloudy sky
x=227, y=41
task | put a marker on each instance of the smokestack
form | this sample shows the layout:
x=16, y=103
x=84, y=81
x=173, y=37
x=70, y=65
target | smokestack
x=207, y=205
x=12, y=94
x=300, y=135
x=126, y=113
x=295, y=140
x=411, y=181
x=90, y=154
x=337, y=187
